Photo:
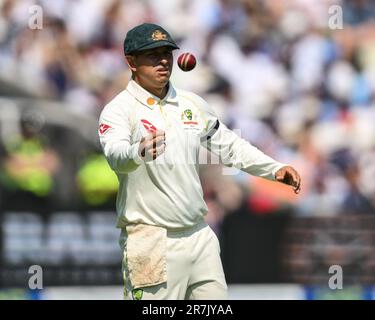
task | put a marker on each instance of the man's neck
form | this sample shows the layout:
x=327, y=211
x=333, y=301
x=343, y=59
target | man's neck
x=160, y=93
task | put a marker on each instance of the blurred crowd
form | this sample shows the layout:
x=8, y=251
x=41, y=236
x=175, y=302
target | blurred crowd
x=285, y=75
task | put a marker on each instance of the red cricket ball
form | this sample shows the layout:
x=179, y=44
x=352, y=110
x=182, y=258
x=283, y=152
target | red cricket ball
x=186, y=61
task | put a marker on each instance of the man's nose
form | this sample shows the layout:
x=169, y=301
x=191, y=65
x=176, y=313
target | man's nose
x=164, y=61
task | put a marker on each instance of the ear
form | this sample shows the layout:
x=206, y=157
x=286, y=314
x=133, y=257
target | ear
x=130, y=61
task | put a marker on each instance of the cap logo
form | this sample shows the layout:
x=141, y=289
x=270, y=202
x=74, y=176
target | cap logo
x=157, y=35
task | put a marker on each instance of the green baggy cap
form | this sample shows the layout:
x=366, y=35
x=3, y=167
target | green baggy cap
x=147, y=36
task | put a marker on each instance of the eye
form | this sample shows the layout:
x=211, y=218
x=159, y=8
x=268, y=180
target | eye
x=167, y=54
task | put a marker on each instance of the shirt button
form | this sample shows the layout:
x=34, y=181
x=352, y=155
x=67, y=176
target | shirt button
x=150, y=101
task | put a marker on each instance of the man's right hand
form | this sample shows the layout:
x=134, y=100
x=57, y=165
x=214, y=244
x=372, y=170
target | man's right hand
x=152, y=145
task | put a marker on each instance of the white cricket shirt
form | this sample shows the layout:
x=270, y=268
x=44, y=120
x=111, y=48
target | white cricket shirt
x=167, y=191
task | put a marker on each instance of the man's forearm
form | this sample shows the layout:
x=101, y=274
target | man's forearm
x=122, y=157
x=236, y=152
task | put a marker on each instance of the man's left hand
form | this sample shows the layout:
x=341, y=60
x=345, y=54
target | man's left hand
x=289, y=176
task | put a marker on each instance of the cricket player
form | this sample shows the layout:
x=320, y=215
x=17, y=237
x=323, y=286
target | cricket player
x=151, y=134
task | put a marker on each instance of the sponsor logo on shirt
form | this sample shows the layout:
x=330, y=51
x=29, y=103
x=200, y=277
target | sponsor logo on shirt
x=103, y=128
x=148, y=125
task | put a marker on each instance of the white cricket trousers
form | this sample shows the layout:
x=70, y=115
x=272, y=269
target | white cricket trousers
x=194, y=268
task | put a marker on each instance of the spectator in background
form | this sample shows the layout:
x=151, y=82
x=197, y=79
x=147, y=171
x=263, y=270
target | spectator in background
x=97, y=183
x=29, y=167
x=354, y=202
x=357, y=12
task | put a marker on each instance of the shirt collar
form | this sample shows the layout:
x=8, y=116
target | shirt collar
x=147, y=98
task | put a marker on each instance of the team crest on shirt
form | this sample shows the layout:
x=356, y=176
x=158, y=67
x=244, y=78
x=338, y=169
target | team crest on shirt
x=189, y=119
x=189, y=114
